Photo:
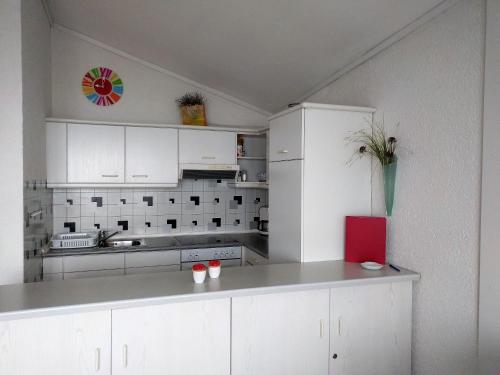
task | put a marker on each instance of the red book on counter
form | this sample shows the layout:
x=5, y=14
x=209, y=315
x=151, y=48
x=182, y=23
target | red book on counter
x=365, y=239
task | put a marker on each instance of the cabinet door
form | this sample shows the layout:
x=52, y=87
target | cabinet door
x=207, y=147
x=151, y=155
x=96, y=153
x=75, y=344
x=181, y=338
x=285, y=211
x=280, y=334
x=371, y=330
x=286, y=137
x=56, y=153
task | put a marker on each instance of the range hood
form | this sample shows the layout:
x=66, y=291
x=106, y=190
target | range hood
x=208, y=171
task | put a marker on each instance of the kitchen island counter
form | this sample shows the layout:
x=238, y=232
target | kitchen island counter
x=104, y=293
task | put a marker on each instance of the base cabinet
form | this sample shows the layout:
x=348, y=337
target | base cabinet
x=371, y=330
x=284, y=333
x=175, y=339
x=76, y=344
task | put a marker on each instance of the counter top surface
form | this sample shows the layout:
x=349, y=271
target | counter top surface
x=112, y=292
x=253, y=241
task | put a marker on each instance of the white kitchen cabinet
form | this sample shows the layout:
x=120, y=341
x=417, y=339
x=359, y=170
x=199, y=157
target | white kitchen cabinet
x=56, y=153
x=207, y=147
x=76, y=344
x=175, y=339
x=152, y=258
x=96, y=154
x=90, y=274
x=310, y=197
x=151, y=155
x=284, y=333
x=285, y=211
x=371, y=329
x=74, y=263
x=287, y=137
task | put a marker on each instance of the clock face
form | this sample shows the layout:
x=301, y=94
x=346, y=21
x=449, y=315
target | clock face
x=102, y=86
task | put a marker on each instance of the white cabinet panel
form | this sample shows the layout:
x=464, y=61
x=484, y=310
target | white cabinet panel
x=88, y=274
x=96, y=262
x=95, y=153
x=52, y=265
x=285, y=211
x=278, y=334
x=251, y=258
x=56, y=153
x=175, y=339
x=151, y=155
x=76, y=344
x=286, y=137
x=371, y=330
x=152, y=258
x=152, y=269
x=207, y=147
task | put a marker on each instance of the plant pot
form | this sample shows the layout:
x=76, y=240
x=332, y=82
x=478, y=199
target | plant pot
x=389, y=184
x=193, y=115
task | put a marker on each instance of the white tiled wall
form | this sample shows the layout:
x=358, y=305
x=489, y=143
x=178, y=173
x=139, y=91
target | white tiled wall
x=217, y=202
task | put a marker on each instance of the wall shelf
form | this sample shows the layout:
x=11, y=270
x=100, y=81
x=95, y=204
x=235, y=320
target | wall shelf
x=250, y=185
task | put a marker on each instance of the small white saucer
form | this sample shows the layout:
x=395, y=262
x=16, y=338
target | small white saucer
x=372, y=266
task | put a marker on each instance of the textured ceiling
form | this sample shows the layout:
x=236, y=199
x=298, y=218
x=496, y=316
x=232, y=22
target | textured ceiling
x=267, y=53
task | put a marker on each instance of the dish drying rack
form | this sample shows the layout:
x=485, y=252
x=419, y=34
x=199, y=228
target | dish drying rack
x=74, y=240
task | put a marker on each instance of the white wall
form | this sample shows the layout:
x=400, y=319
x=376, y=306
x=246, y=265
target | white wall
x=489, y=297
x=36, y=86
x=11, y=141
x=149, y=93
x=431, y=82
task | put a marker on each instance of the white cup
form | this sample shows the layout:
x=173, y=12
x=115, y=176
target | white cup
x=199, y=276
x=214, y=272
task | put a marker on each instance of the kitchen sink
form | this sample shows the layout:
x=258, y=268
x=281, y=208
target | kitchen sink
x=124, y=243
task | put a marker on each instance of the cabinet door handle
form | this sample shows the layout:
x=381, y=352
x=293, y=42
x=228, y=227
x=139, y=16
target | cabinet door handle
x=125, y=355
x=97, y=359
x=282, y=151
x=208, y=157
x=339, y=328
x=140, y=176
x=109, y=175
x=321, y=328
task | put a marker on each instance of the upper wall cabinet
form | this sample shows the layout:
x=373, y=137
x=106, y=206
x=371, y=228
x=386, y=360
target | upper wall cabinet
x=95, y=153
x=207, y=147
x=286, y=137
x=56, y=153
x=151, y=155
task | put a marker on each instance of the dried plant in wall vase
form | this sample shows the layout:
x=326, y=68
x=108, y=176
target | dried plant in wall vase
x=192, y=106
x=374, y=143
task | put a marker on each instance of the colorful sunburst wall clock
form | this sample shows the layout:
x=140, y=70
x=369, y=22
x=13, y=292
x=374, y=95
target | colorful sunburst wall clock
x=102, y=86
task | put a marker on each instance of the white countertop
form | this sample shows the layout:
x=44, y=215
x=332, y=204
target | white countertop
x=103, y=293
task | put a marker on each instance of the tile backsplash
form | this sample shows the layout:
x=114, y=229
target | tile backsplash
x=194, y=206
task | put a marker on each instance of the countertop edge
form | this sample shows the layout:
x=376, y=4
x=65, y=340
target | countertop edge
x=409, y=276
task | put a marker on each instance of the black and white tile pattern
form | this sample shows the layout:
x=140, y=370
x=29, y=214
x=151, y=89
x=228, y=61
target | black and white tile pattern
x=195, y=206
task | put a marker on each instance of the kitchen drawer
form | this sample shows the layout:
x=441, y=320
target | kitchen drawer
x=286, y=137
x=52, y=265
x=137, y=270
x=152, y=258
x=52, y=276
x=93, y=262
x=86, y=274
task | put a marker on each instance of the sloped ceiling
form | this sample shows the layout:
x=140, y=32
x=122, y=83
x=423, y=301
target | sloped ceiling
x=265, y=52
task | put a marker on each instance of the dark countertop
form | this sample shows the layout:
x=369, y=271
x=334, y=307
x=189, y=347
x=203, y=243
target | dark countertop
x=254, y=241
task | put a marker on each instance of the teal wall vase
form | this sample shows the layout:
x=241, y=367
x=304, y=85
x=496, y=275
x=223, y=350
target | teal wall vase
x=389, y=183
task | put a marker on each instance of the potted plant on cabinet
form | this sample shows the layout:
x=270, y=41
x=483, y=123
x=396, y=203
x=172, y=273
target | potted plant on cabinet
x=192, y=106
